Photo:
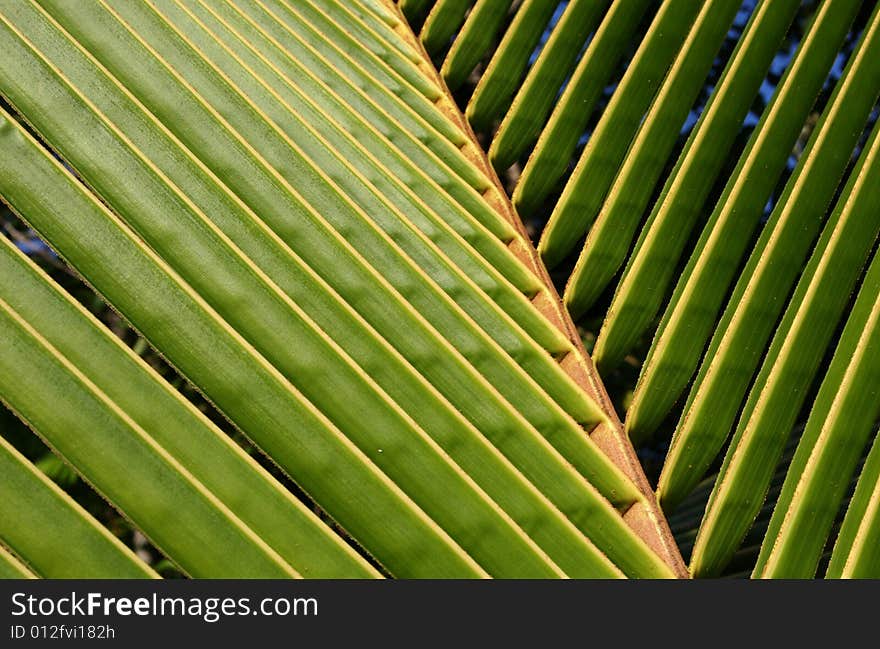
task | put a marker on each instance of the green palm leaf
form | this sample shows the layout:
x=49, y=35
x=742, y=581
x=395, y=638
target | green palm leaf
x=830, y=447
x=777, y=257
x=651, y=266
x=794, y=356
x=591, y=179
x=12, y=568
x=256, y=174
x=62, y=540
x=712, y=266
x=855, y=552
x=350, y=360
x=752, y=219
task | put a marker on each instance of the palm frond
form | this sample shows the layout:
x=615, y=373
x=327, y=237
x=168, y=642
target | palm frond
x=294, y=214
x=707, y=180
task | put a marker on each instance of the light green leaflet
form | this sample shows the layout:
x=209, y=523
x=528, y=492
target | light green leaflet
x=651, y=267
x=552, y=152
x=246, y=387
x=604, y=152
x=759, y=297
x=380, y=9
x=472, y=41
x=55, y=536
x=690, y=316
x=123, y=463
x=797, y=349
x=376, y=34
x=415, y=107
x=840, y=423
x=482, y=257
x=232, y=476
x=611, y=235
x=373, y=101
x=268, y=319
x=378, y=311
x=339, y=23
x=366, y=121
x=338, y=44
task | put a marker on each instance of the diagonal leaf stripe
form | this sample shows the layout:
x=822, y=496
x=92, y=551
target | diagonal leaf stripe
x=280, y=152
x=603, y=154
x=138, y=462
x=261, y=190
x=568, y=435
x=440, y=221
x=643, y=286
x=373, y=26
x=558, y=139
x=380, y=10
x=497, y=86
x=342, y=28
x=232, y=476
x=446, y=16
x=770, y=272
x=12, y=568
x=611, y=235
x=798, y=346
x=472, y=41
x=699, y=293
x=838, y=428
x=444, y=163
x=60, y=539
x=535, y=96
x=266, y=317
x=353, y=490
